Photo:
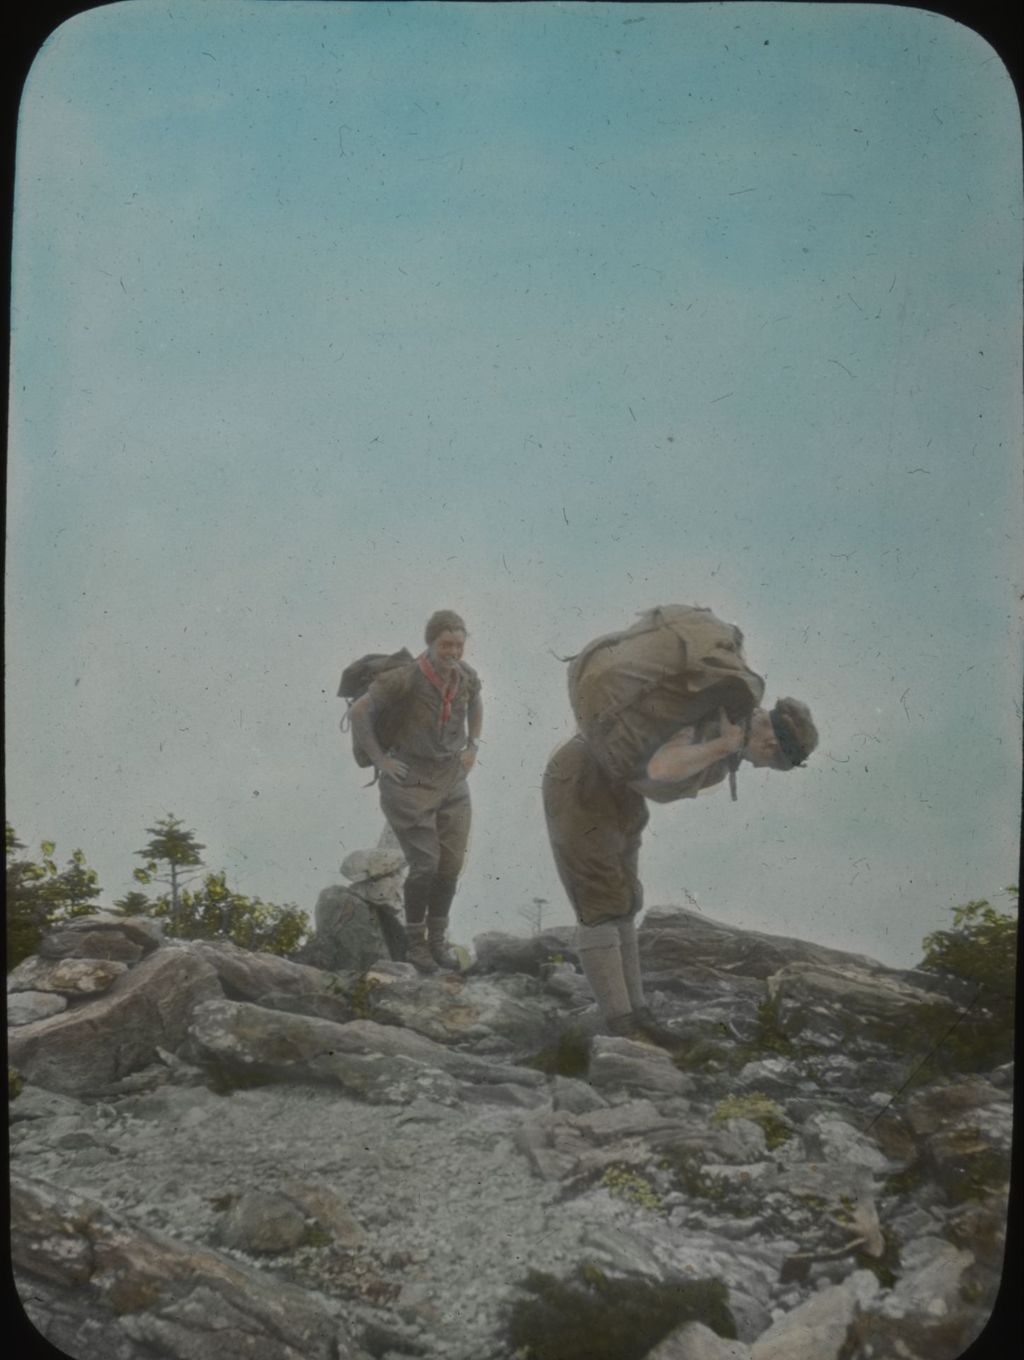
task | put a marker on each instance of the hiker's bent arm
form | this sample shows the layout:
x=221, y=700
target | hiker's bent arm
x=475, y=719
x=361, y=714
x=679, y=758
x=474, y=726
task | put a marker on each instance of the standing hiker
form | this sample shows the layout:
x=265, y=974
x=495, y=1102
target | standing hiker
x=665, y=709
x=432, y=713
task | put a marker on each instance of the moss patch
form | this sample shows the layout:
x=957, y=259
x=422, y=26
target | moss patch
x=222, y=1080
x=568, y=1057
x=600, y=1318
x=760, y=1110
x=626, y=1183
x=362, y=996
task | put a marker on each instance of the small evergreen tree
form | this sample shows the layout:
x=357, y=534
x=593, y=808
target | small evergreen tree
x=133, y=904
x=39, y=894
x=177, y=850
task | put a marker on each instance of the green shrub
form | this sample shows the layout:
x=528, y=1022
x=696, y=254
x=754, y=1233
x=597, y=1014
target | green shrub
x=980, y=950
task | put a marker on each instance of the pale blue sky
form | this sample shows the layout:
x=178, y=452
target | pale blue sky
x=326, y=316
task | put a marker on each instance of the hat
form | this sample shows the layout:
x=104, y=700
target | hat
x=371, y=864
x=794, y=730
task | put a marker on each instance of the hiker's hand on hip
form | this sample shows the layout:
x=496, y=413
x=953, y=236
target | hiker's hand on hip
x=731, y=733
x=394, y=769
x=468, y=758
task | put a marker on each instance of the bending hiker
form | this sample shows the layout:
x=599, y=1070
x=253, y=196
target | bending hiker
x=665, y=709
x=419, y=724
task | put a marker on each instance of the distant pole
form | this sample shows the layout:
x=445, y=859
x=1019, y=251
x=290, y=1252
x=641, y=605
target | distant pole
x=534, y=915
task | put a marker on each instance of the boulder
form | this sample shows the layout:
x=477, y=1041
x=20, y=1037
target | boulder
x=497, y=952
x=361, y=1055
x=926, y=1313
x=817, y=1329
x=127, y=938
x=830, y=1006
x=273, y=982
x=694, y=1341
x=114, y=1289
x=675, y=938
x=448, y=1009
x=263, y=1223
x=97, y=1043
x=350, y=935
x=25, y=1007
x=622, y=1064
x=69, y=977
x=90, y=944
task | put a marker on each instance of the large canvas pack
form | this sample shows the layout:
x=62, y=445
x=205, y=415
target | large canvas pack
x=676, y=666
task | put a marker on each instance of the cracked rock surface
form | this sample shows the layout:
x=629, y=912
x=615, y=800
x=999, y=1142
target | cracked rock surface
x=231, y=1157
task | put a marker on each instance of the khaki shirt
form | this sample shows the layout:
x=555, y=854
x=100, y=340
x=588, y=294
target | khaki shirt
x=418, y=734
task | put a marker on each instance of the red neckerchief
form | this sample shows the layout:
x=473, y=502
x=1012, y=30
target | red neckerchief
x=448, y=692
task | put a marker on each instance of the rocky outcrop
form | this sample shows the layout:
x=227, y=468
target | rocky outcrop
x=90, y=1046
x=227, y=1154
x=99, y=1282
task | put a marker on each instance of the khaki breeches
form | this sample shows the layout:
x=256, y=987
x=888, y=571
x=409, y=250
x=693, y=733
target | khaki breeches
x=595, y=825
x=430, y=814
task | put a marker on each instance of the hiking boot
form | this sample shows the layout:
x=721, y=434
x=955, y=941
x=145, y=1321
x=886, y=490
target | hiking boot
x=440, y=951
x=417, y=951
x=641, y=1026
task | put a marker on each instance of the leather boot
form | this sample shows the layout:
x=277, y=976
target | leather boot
x=417, y=951
x=641, y=1026
x=442, y=891
x=417, y=893
x=440, y=951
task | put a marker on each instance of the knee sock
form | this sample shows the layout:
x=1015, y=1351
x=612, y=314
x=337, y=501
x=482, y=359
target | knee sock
x=439, y=900
x=626, y=926
x=601, y=956
x=416, y=893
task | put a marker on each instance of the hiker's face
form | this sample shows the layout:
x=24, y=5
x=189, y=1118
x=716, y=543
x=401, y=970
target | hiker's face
x=762, y=749
x=446, y=649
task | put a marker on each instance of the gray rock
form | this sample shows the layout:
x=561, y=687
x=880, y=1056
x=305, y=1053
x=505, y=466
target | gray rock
x=449, y=1008
x=677, y=938
x=694, y=1341
x=831, y=1006
x=70, y=977
x=497, y=952
x=930, y=1282
x=110, y=934
x=839, y=1141
x=635, y=1118
x=276, y=983
x=95, y=943
x=262, y=1222
x=35, y=1102
x=575, y=1096
x=817, y=1329
x=23, y=1008
x=349, y=934
x=621, y=1064
x=248, y=1039
x=328, y=1211
x=118, y=1033
x=145, y=1290
x=747, y=1141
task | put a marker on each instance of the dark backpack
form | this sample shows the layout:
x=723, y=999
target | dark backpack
x=356, y=679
